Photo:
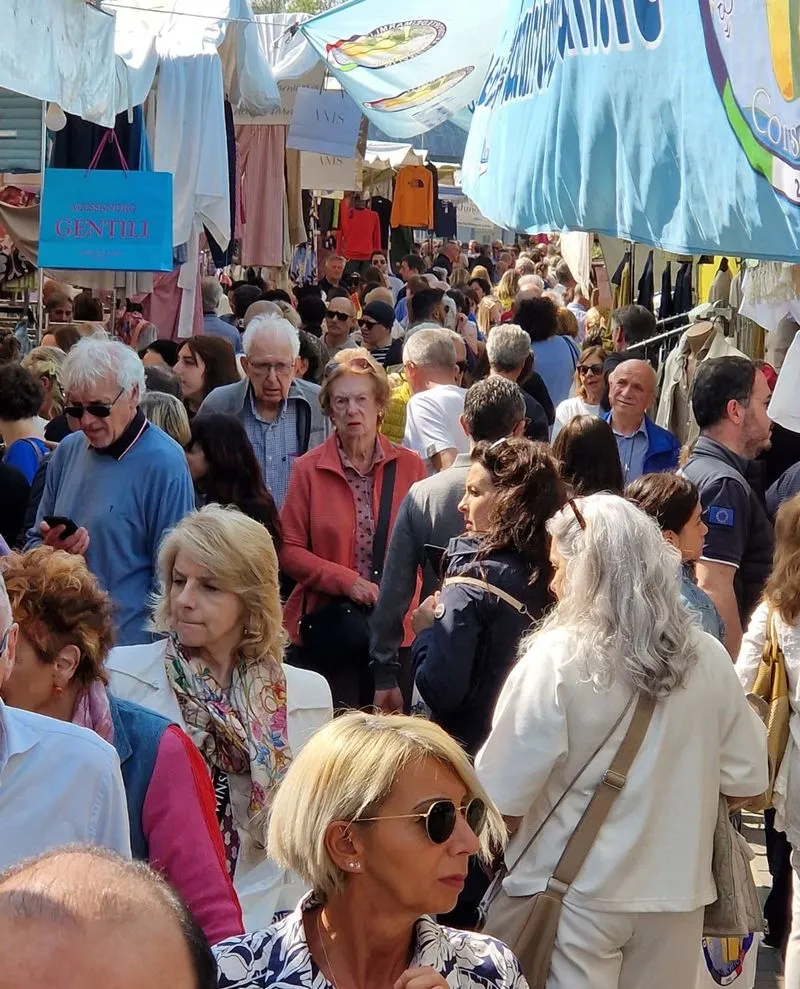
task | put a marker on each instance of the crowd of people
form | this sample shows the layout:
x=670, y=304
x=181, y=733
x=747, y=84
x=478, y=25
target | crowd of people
x=363, y=596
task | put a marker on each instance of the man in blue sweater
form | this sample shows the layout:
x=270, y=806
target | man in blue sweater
x=121, y=480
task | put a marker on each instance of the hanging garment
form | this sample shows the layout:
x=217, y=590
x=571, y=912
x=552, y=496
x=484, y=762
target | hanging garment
x=665, y=305
x=383, y=207
x=162, y=306
x=295, y=216
x=720, y=290
x=434, y=173
x=221, y=257
x=359, y=232
x=646, y=288
x=74, y=146
x=413, y=198
x=446, y=219
x=402, y=244
x=303, y=269
x=260, y=157
x=682, y=298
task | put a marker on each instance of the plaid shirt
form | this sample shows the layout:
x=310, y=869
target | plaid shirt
x=274, y=443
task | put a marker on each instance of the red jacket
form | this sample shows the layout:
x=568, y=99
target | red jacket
x=319, y=520
x=359, y=234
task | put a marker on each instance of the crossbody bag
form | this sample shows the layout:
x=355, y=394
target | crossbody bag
x=529, y=927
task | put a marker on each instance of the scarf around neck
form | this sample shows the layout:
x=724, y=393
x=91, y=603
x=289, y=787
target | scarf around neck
x=242, y=730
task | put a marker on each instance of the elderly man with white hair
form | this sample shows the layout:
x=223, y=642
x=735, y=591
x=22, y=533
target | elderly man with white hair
x=59, y=784
x=116, y=484
x=433, y=414
x=279, y=411
x=644, y=447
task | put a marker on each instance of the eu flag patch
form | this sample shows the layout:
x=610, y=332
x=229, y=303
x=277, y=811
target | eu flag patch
x=720, y=516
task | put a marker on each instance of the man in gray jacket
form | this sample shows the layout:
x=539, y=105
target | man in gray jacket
x=429, y=515
x=280, y=413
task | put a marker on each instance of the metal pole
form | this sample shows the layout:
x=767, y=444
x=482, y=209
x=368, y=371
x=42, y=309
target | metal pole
x=42, y=165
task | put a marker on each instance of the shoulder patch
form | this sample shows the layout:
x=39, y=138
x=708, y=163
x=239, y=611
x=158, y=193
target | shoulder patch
x=718, y=515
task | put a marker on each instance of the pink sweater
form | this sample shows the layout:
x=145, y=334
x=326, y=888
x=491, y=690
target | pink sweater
x=179, y=820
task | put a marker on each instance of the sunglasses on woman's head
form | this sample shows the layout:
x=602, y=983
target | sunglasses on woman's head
x=333, y=314
x=440, y=818
x=586, y=368
x=100, y=410
x=359, y=363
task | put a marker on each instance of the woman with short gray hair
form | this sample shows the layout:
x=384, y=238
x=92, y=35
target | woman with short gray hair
x=619, y=646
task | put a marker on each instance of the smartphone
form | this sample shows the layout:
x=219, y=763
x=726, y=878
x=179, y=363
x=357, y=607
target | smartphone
x=70, y=527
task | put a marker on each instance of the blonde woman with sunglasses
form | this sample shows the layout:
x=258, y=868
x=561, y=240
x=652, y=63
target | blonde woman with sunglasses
x=588, y=385
x=380, y=815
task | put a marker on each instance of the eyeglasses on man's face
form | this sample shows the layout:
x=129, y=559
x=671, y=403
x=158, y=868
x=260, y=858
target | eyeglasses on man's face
x=100, y=410
x=263, y=369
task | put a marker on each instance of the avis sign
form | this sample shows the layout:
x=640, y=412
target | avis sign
x=106, y=220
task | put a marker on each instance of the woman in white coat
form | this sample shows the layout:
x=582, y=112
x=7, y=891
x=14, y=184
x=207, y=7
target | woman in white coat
x=781, y=604
x=634, y=915
x=219, y=673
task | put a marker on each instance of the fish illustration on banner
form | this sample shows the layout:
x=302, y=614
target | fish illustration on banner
x=671, y=124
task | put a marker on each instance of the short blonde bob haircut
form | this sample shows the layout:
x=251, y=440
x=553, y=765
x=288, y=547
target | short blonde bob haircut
x=345, y=772
x=239, y=553
x=169, y=414
x=347, y=362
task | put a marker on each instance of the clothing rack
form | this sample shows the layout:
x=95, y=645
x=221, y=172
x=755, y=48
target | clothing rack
x=677, y=325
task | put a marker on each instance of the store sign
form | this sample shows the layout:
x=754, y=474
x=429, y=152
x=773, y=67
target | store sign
x=105, y=220
x=326, y=122
x=327, y=172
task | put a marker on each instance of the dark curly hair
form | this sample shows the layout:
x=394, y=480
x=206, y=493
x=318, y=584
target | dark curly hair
x=529, y=492
x=21, y=395
x=538, y=317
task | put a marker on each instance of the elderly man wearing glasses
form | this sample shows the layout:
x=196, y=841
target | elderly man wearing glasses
x=59, y=784
x=279, y=411
x=116, y=484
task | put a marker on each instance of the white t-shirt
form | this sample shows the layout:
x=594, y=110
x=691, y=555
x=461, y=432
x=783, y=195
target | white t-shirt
x=432, y=422
x=653, y=852
x=567, y=410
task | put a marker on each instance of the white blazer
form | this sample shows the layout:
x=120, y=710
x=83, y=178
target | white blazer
x=138, y=673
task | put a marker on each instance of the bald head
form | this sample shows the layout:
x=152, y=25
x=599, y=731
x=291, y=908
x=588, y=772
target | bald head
x=631, y=390
x=80, y=917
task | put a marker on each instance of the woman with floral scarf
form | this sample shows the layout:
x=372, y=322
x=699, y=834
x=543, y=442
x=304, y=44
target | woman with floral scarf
x=220, y=673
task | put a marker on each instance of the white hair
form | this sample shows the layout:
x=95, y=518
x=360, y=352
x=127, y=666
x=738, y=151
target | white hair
x=430, y=348
x=621, y=597
x=94, y=358
x=528, y=282
x=269, y=325
x=507, y=347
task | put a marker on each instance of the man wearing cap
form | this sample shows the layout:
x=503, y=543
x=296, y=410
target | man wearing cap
x=376, y=324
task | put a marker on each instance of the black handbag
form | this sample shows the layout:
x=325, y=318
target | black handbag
x=337, y=634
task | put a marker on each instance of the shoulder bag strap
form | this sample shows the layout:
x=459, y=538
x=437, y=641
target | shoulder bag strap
x=491, y=589
x=381, y=537
x=611, y=785
x=572, y=783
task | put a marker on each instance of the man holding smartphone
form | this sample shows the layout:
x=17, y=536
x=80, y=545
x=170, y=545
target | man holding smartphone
x=116, y=484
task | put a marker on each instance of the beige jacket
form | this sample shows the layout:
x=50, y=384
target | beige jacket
x=718, y=345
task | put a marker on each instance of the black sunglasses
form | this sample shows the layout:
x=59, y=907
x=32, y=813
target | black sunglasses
x=332, y=314
x=440, y=818
x=101, y=410
x=367, y=324
x=586, y=368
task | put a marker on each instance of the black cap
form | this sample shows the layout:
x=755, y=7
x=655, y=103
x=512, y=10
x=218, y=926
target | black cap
x=381, y=312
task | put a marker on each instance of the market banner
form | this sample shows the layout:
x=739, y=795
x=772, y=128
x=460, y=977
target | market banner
x=672, y=124
x=106, y=220
x=408, y=73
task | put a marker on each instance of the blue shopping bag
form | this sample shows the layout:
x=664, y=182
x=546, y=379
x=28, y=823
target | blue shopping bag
x=106, y=220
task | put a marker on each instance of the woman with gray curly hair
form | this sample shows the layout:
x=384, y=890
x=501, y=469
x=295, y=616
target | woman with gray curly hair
x=619, y=642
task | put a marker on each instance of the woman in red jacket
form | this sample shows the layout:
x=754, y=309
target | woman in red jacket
x=330, y=517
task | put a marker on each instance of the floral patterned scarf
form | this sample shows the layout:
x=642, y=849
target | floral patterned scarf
x=243, y=730
x=92, y=710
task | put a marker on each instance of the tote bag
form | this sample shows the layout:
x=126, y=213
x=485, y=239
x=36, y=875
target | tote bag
x=103, y=220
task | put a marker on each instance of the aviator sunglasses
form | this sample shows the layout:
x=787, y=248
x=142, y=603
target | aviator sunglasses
x=440, y=818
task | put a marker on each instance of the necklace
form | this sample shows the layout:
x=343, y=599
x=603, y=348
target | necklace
x=325, y=951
